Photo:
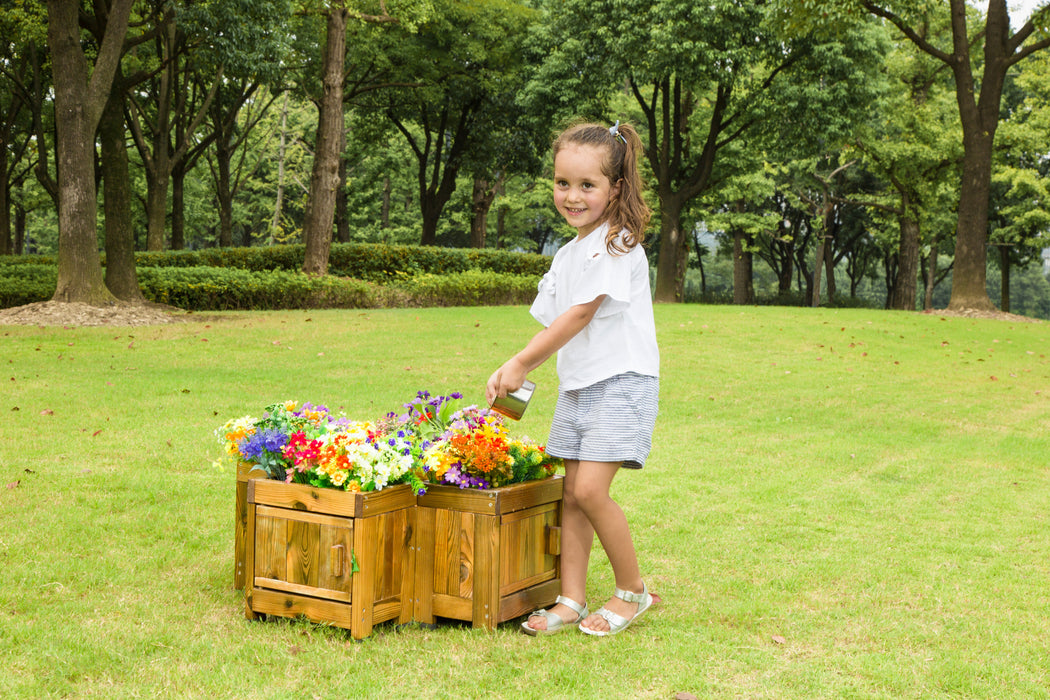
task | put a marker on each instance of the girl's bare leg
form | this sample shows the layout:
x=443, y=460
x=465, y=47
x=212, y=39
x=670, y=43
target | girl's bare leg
x=577, y=538
x=591, y=493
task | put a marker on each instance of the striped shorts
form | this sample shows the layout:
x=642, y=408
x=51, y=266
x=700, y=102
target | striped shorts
x=611, y=421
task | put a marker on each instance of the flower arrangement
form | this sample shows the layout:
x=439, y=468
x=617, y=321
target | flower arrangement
x=436, y=440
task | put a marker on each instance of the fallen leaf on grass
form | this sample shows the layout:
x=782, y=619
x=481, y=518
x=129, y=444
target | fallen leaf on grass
x=14, y=484
x=777, y=639
x=684, y=696
x=47, y=412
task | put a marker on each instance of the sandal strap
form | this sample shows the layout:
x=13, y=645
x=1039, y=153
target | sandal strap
x=616, y=622
x=580, y=610
x=629, y=597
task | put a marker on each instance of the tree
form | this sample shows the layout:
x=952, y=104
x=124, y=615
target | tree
x=79, y=101
x=979, y=100
x=911, y=149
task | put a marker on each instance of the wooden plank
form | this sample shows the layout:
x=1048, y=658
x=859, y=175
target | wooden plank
x=302, y=497
x=452, y=607
x=389, y=499
x=529, y=512
x=270, y=538
x=292, y=605
x=455, y=498
x=249, y=563
x=486, y=571
x=387, y=610
x=304, y=516
x=301, y=552
x=331, y=501
x=464, y=564
x=245, y=471
x=311, y=591
x=240, y=527
x=447, y=526
x=366, y=531
x=532, y=493
x=527, y=600
x=406, y=573
x=423, y=592
x=523, y=583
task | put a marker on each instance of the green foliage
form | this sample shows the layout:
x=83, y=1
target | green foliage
x=469, y=288
x=363, y=261
x=219, y=289
x=362, y=276
x=26, y=282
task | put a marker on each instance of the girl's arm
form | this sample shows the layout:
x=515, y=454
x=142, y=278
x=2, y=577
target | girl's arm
x=548, y=341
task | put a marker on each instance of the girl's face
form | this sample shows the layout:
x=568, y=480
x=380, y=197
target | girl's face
x=581, y=190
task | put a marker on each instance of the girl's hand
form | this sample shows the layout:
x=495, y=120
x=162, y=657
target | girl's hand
x=506, y=379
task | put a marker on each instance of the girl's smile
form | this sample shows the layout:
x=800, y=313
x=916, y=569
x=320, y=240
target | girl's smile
x=581, y=190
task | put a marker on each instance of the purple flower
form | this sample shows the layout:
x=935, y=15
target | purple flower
x=268, y=440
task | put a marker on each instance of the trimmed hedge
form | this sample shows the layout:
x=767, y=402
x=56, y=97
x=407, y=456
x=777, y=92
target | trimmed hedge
x=204, y=288
x=373, y=262
x=469, y=288
x=26, y=282
x=217, y=289
x=361, y=275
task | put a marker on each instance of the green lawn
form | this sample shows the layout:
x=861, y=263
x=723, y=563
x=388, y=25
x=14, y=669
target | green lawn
x=839, y=503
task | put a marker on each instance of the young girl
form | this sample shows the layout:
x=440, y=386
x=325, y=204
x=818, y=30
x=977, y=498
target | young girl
x=597, y=311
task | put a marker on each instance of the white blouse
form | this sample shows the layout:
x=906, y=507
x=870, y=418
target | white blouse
x=622, y=335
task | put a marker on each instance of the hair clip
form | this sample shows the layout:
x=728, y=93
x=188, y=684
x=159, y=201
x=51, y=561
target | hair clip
x=614, y=130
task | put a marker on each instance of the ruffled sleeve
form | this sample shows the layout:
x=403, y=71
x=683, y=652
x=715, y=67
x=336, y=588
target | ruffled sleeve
x=545, y=307
x=603, y=273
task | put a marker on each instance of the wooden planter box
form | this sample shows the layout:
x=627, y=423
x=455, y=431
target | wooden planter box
x=302, y=544
x=488, y=556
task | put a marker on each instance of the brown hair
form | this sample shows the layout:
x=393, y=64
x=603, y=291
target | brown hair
x=628, y=210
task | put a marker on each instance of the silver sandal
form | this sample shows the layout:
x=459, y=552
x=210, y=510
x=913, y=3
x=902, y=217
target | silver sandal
x=555, y=623
x=618, y=623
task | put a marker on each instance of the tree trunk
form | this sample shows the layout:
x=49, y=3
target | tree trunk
x=159, y=167
x=224, y=190
x=275, y=223
x=324, y=178
x=20, y=230
x=178, y=205
x=979, y=120
x=813, y=293
x=905, y=286
x=342, y=216
x=743, y=269
x=1004, y=271
x=79, y=101
x=384, y=210
x=829, y=268
x=5, y=208
x=121, y=276
x=931, y=277
x=674, y=248
x=482, y=198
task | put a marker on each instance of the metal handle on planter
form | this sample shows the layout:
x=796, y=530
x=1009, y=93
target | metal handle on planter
x=338, y=558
